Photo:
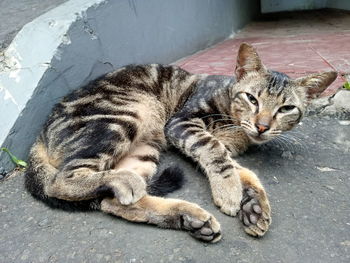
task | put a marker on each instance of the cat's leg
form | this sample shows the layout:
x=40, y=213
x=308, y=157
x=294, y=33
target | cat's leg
x=85, y=183
x=126, y=181
x=190, y=136
x=142, y=160
x=255, y=212
x=236, y=141
x=168, y=213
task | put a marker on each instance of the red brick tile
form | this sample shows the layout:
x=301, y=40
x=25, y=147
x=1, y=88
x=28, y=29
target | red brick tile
x=295, y=54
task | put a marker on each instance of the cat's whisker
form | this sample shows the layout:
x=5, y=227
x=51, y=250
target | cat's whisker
x=236, y=127
x=275, y=132
x=226, y=127
x=273, y=135
x=291, y=137
x=277, y=142
x=289, y=146
x=295, y=132
x=297, y=141
x=296, y=136
x=245, y=122
x=218, y=121
x=216, y=114
x=288, y=143
x=246, y=127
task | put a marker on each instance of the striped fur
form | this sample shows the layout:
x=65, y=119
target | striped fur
x=100, y=146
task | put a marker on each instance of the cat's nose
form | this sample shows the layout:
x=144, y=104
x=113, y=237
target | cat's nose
x=262, y=127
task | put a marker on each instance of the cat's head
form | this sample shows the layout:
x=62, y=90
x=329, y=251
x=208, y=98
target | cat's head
x=268, y=102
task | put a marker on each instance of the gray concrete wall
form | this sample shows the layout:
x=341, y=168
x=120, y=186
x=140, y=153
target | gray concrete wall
x=269, y=6
x=82, y=39
x=339, y=4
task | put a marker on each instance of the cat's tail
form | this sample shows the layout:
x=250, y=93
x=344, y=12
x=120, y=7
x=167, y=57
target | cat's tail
x=39, y=170
x=169, y=180
x=40, y=173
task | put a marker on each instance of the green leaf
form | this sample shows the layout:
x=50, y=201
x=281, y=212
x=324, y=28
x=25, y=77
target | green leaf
x=346, y=85
x=22, y=163
x=14, y=159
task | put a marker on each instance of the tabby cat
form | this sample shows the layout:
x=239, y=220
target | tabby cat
x=100, y=147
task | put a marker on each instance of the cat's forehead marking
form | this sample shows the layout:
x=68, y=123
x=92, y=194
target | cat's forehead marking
x=277, y=82
x=277, y=89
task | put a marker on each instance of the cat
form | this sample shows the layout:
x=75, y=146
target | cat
x=100, y=146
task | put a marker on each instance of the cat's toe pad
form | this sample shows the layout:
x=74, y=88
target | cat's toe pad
x=208, y=230
x=254, y=213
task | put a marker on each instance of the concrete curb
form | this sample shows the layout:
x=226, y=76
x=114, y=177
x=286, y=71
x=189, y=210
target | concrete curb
x=22, y=68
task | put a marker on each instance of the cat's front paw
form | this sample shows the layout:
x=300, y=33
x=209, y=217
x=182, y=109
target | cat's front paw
x=255, y=212
x=227, y=194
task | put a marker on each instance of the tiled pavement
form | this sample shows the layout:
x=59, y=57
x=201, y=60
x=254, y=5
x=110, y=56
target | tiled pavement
x=296, y=44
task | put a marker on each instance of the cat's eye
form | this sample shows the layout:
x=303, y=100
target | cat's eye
x=286, y=108
x=252, y=99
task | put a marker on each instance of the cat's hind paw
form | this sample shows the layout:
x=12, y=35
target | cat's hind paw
x=206, y=230
x=255, y=212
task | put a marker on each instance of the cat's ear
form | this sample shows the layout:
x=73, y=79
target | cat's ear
x=247, y=61
x=315, y=84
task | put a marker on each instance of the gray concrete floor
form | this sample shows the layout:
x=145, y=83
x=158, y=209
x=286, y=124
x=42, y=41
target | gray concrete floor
x=16, y=13
x=308, y=184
